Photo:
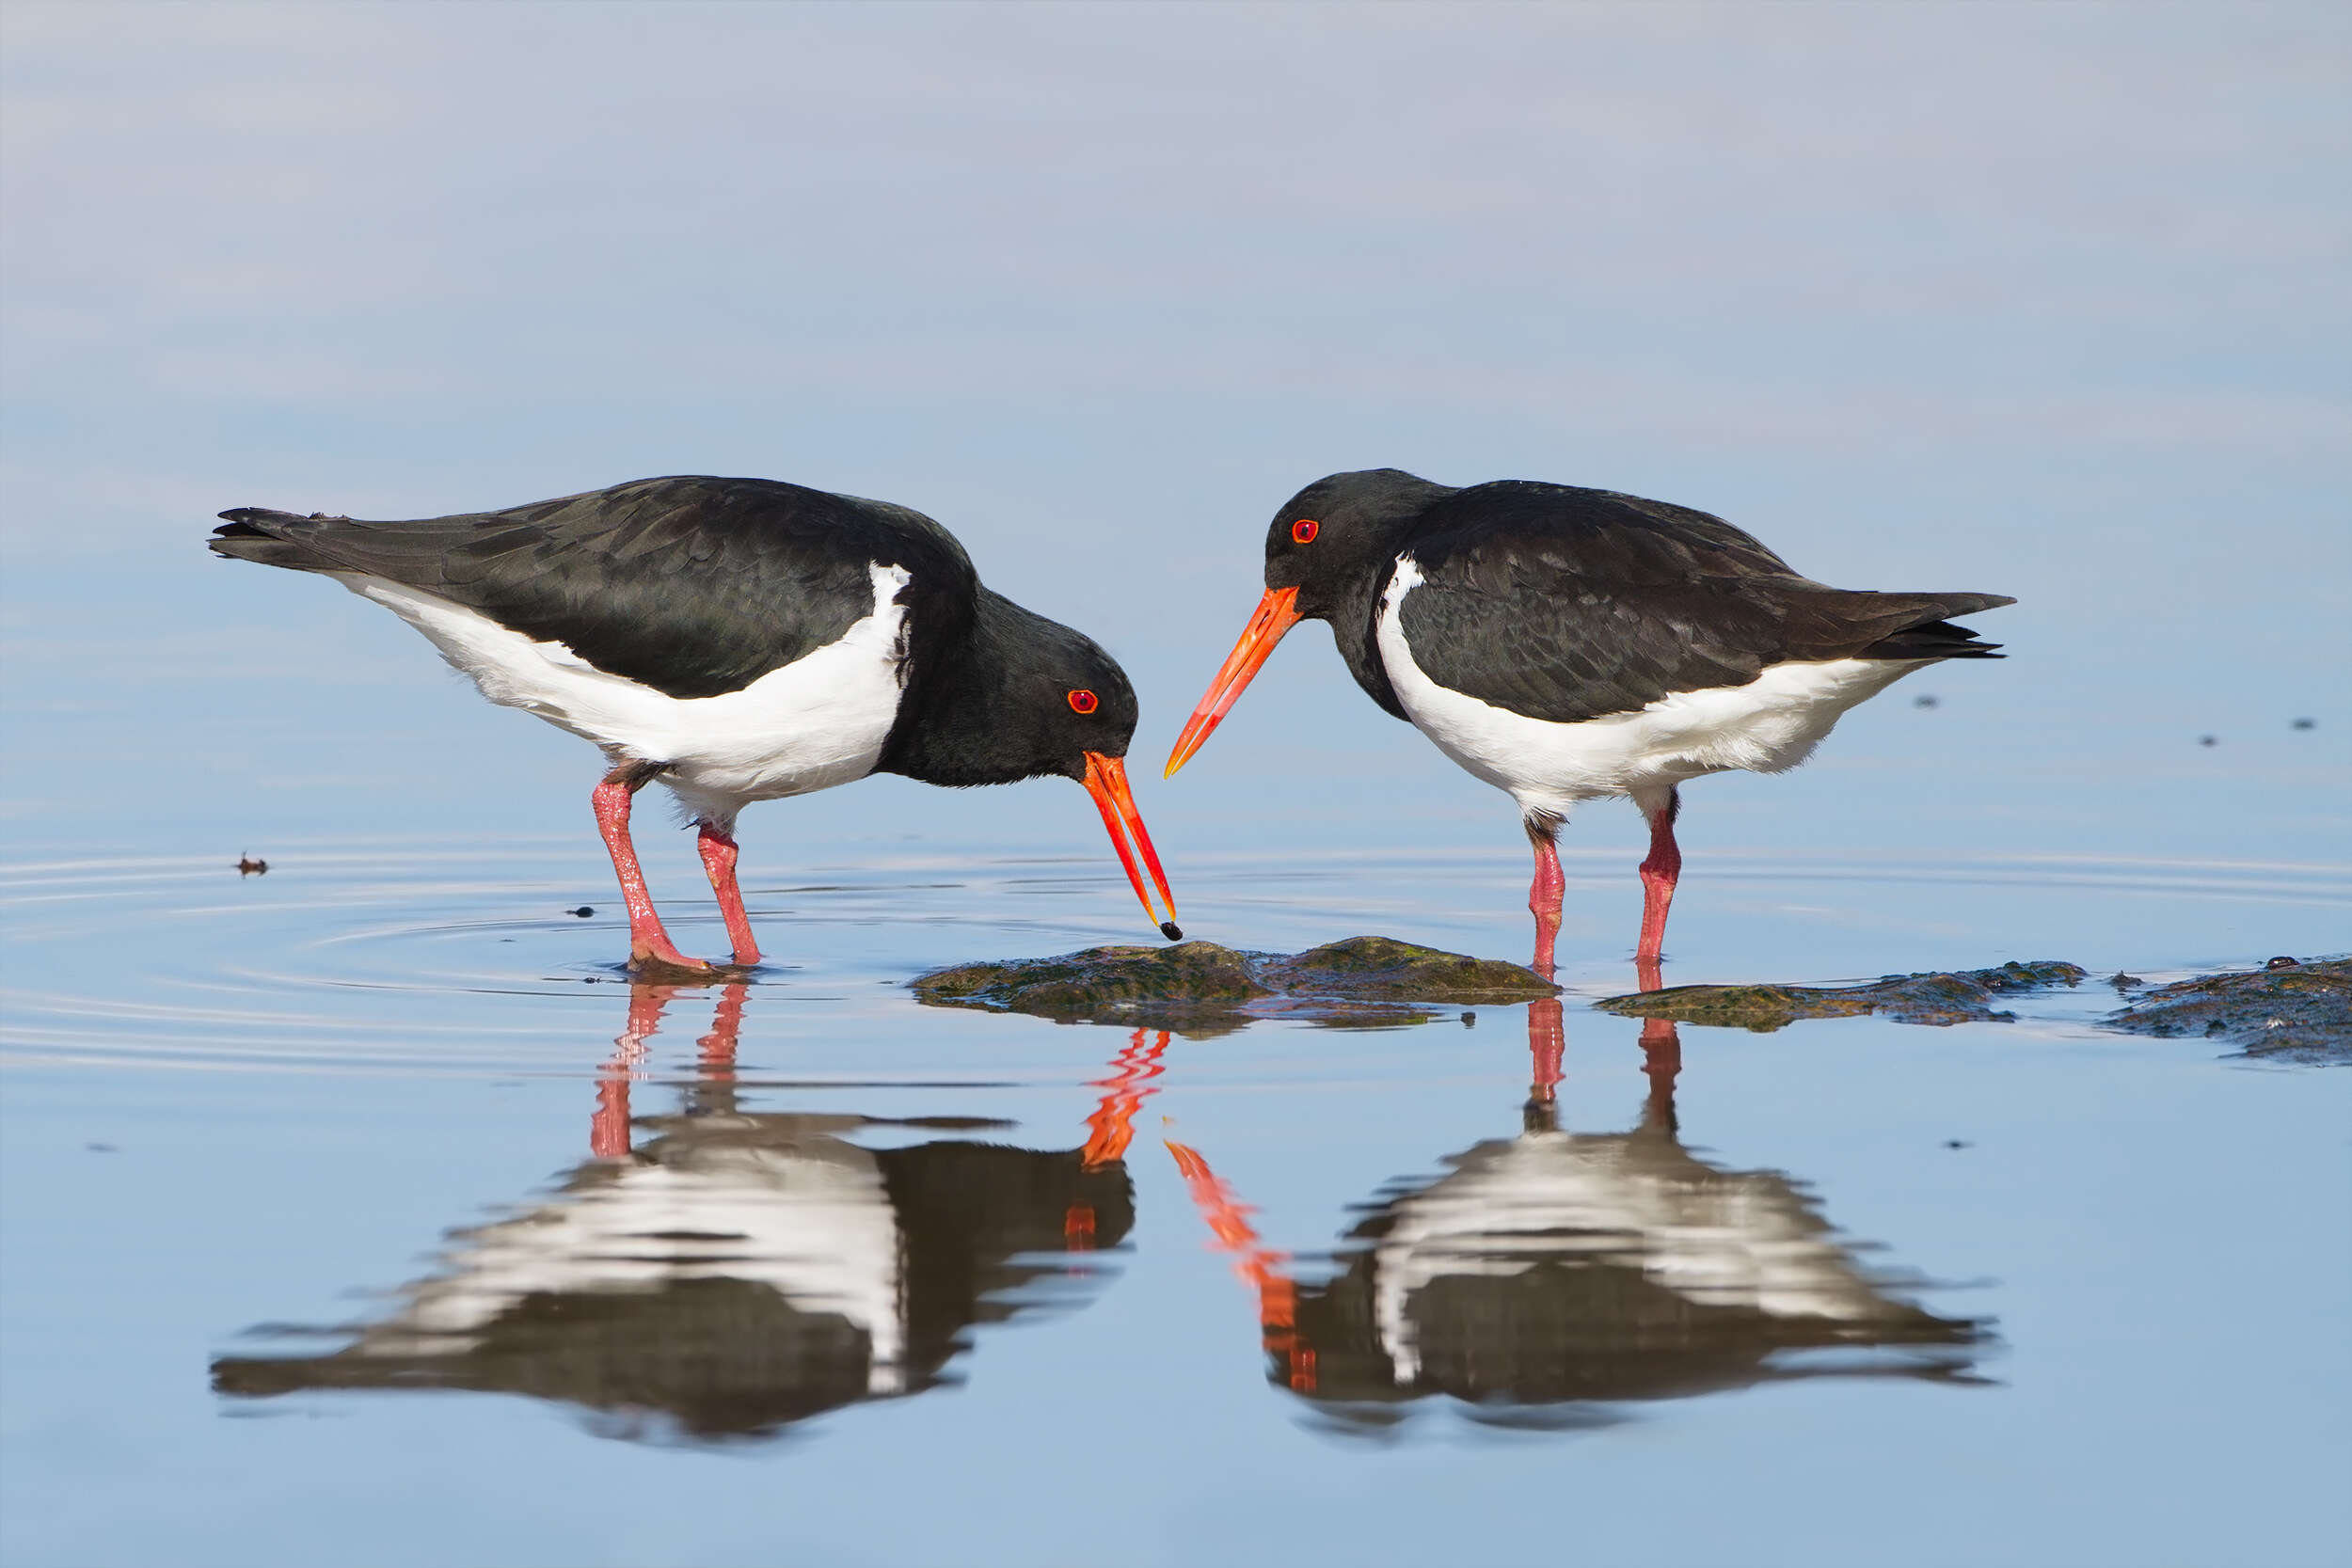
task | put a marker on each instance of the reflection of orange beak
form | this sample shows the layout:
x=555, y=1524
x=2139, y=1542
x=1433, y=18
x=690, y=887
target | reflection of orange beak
x=1276, y=614
x=1106, y=781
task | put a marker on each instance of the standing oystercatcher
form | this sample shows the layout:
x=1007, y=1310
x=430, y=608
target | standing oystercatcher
x=1566, y=645
x=738, y=639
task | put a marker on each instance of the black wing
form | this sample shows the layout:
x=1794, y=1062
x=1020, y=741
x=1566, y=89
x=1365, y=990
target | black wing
x=692, y=585
x=1566, y=604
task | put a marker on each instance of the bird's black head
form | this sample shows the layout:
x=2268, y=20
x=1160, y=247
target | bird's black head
x=1064, y=701
x=1025, y=698
x=1334, y=538
x=1326, y=553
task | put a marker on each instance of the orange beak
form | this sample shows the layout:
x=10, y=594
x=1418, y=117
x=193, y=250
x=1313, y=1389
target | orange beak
x=1276, y=614
x=1106, y=781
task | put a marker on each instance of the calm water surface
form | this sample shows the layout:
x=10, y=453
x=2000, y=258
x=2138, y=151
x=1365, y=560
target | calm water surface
x=360, y=1211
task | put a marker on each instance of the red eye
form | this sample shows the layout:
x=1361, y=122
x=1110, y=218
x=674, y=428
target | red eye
x=1304, y=530
x=1083, y=701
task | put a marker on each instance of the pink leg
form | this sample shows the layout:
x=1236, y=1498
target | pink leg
x=1658, y=875
x=719, y=853
x=1544, y=894
x=648, y=943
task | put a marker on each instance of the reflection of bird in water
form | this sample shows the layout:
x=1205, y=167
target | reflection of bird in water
x=1555, y=1267
x=739, y=1270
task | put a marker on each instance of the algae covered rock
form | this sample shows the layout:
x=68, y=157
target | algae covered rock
x=1099, y=976
x=1939, y=998
x=1381, y=969
x=1198, y=987
x=2291, y=1011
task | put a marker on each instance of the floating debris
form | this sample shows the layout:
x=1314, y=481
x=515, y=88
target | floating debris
x=1940, y=998
x=1925, y=700
x=248, y=866
x=2288, y=1011
x=582, y=912
x=1199, y=987
x=2208, y=740
x=2304, y=724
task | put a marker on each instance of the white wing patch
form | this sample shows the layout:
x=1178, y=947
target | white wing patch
x=1770, y=724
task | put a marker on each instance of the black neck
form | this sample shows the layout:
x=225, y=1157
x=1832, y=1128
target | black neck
x=1352, y=623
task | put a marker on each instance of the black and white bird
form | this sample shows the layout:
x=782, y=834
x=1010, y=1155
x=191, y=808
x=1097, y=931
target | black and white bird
x=740, y=640
x=1566, y=645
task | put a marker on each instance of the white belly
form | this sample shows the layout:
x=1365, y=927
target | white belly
x=815, y=723
x=1771, y=723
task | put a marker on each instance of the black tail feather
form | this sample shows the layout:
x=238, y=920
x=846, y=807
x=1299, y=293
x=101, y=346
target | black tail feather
x=259, y=534
x=1935, y=639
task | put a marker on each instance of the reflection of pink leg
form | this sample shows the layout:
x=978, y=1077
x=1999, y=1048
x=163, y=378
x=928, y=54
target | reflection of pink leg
x=1546, y=1042
x=1544, y=894
x=647, y=941
x=607, y=1130
x=719, y=852
x=1658, y=875
x=726, y=1027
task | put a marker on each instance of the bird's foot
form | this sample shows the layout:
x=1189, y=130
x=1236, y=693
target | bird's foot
x=656, y=958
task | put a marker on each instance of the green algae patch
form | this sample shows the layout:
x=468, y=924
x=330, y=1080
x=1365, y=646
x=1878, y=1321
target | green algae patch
x=1200, y=989
x=1381, y=969
x=1099, y=976
x=2290, y=1012
x=1939, y=998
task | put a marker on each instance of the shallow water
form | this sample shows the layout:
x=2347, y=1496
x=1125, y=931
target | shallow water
x=370, y=1210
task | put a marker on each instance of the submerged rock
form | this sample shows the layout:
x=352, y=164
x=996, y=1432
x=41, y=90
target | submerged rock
x=2290, y=1011
x=1198, y=987
x=1960, y=996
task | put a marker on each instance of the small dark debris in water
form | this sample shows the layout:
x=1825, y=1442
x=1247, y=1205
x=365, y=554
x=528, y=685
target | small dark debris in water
x=248, y=866
x=1958, y=1143
x=2122, y=981
x=1470, y=1021
x=583, y=911
x=2305, y=724
x=2208, y=740
x=1170, y=930
x=2301, y=1012
x=1200, y=989
x=1925, y=699
x=1960, y=996
x=99, y=1148
x=2283, y=961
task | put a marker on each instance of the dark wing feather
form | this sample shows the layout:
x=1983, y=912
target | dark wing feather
x=694, y=586
x=1566, y=605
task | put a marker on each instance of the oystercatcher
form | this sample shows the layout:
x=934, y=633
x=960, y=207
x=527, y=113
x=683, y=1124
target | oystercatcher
x=740, y=640
x=1565, y=644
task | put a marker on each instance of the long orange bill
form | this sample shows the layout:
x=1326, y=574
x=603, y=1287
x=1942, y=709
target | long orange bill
x=1106, y=781
x=1276, y=614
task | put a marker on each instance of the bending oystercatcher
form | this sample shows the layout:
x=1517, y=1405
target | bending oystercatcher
x=1565, y=644
x=740, y=640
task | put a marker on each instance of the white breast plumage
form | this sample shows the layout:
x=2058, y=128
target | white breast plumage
x=1771, y=723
